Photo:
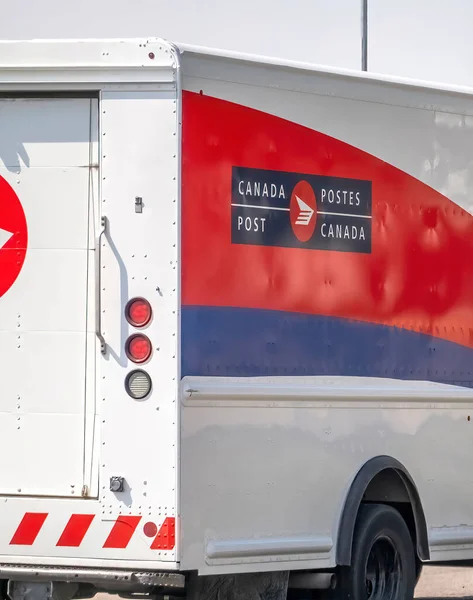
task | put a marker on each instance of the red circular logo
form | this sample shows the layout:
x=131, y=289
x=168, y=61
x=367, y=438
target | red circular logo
x=303, y=211
x=13, y=236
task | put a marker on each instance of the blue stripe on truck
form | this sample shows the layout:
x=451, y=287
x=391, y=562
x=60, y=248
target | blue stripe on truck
x=240, y=342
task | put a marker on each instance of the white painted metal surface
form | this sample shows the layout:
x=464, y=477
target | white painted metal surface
x=47, y=149
x=140, y=260
x=79, y=427
x=305, y=448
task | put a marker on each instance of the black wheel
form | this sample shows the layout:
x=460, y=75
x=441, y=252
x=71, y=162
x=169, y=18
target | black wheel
x=383, y=558
x=419, y=567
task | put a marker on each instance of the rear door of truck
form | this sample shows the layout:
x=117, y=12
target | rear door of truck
x=48, y=348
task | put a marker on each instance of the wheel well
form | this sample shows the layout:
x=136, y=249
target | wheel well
x=383, y=480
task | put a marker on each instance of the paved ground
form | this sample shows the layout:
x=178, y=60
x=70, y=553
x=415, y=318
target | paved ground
x=446, y=582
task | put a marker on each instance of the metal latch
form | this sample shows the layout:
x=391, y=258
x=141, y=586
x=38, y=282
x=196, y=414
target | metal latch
x=117, y=484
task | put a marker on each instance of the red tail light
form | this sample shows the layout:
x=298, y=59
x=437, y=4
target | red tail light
x=138, y=312
x=138, y=348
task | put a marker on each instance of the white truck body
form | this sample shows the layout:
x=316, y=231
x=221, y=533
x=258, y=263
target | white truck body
x=283, y=366
x=425, y=39
x=65, y=137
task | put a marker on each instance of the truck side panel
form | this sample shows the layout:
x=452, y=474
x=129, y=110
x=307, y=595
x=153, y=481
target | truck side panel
x=326, y=248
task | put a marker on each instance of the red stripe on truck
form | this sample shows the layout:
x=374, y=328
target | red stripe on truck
x=417, y=277
x=166, y=537
x=75, y=531
x=119, y=536
x=28, y=529
x=122, y=532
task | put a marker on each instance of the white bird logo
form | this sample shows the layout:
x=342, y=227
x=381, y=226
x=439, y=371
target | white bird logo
x=4, y=236
x=305, y=212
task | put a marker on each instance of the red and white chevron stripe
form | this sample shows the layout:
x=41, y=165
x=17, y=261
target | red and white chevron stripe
x=78, y=525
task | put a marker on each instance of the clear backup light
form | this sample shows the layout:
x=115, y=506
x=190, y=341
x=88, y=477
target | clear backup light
x=138, y=312
x=138, y=384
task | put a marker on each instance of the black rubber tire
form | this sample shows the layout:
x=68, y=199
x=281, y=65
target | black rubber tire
x=419, y=568
x=381, y=536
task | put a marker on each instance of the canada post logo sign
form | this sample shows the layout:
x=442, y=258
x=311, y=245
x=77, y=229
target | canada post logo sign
x=292, y=210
